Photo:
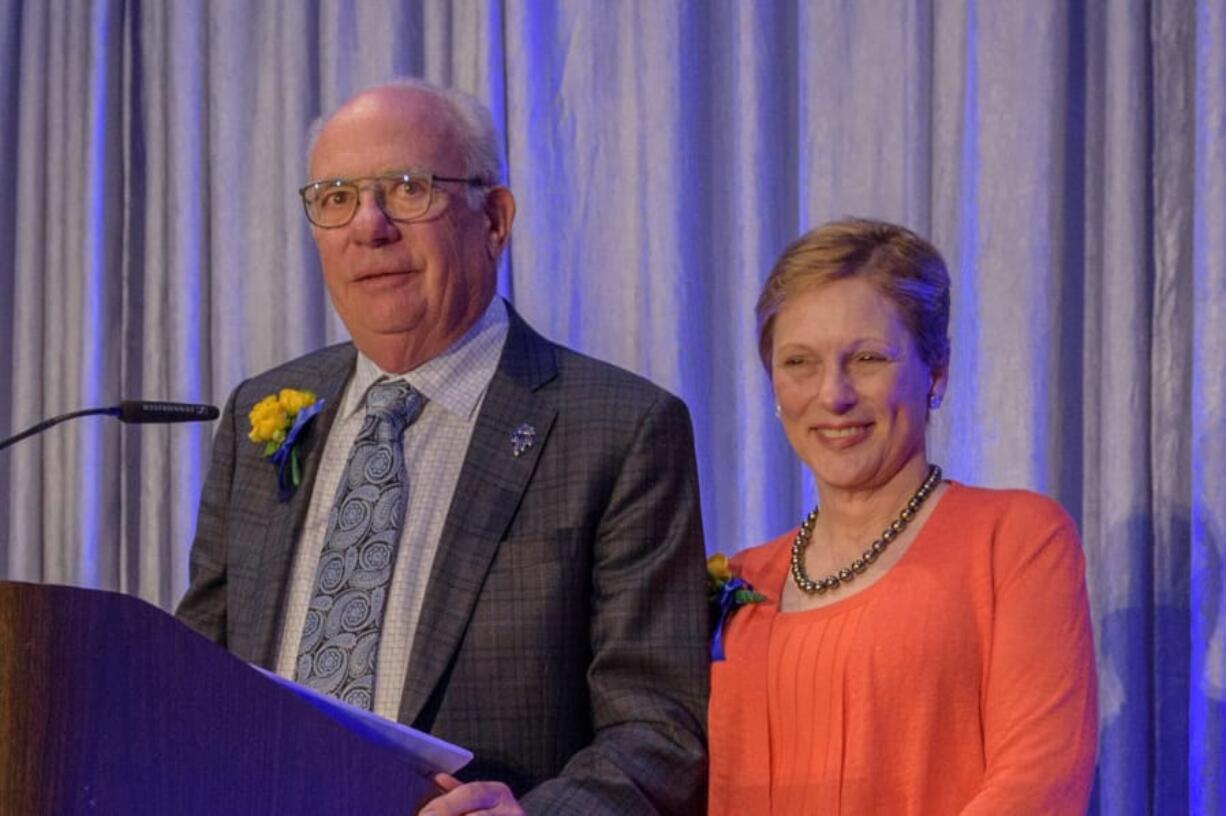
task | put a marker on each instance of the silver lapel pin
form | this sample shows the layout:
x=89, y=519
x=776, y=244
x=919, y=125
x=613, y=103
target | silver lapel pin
x=522, y=438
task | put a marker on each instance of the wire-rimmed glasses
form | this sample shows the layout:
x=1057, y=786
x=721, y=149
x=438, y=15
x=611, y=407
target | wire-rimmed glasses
x=403, y=196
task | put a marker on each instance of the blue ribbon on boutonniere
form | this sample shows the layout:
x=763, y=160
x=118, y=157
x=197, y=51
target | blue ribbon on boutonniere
x=730, y=596
x=285, y=457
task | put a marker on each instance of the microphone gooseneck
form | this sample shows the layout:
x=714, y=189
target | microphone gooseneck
x=127, y=411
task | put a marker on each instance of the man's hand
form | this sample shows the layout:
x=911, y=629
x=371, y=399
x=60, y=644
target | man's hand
x=475, y=798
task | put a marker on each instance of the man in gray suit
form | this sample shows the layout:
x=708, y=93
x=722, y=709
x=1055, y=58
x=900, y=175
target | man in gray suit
x=529, y=577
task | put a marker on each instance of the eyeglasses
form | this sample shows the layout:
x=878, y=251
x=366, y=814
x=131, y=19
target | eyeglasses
x=402, y=196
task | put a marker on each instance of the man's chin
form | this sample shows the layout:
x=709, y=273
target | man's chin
x=392, y=330
x=394, y=312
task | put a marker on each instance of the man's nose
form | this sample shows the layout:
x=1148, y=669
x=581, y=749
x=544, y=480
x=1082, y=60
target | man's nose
x=370, y=223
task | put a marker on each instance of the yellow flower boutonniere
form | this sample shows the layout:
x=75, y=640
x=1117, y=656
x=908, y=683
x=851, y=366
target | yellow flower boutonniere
x=276, y=422
x=726, y=593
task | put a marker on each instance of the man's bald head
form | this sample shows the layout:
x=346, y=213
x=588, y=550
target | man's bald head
x=468, y=119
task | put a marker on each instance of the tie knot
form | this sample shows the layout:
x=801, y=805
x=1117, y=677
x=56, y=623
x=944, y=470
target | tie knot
x=393, y=404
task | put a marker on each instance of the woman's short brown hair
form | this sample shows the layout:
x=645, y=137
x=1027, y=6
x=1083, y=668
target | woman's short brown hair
x=902, y=265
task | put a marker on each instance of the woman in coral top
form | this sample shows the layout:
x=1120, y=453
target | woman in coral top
x=942, y=666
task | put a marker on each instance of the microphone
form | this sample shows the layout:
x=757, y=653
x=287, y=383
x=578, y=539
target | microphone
x=139, y=411
x=128, y=411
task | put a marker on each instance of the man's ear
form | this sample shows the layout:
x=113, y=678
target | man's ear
x=499, y=213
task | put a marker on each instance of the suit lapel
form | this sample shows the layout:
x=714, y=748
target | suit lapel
x=492, y=482
x=277, y=545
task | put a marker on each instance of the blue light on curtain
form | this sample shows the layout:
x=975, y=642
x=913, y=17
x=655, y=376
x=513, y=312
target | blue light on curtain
x=1207, y=692
x=93, y=531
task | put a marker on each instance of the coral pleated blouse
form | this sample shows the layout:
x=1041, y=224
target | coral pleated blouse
x=961, y=682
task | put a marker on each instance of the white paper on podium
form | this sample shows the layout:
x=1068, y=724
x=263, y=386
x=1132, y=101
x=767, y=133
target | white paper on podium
x=423, y=748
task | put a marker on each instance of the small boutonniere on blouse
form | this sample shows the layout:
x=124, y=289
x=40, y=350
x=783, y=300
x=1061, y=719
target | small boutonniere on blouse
x=276, y=422
x=726, y=593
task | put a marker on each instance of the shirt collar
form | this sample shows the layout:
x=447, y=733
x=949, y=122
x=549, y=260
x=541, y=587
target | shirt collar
x=454, y=380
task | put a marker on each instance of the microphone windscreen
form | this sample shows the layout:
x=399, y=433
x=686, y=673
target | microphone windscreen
x=141, y=411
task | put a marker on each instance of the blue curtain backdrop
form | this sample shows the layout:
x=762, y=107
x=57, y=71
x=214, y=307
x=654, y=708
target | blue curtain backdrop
x=1069, y=158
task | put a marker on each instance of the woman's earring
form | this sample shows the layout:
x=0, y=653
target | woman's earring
x=778, y=411
x=934, y=401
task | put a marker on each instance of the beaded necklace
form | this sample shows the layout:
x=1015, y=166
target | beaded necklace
x=859, y=565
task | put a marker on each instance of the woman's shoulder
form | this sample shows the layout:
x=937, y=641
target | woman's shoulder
x=755, y=562
x=1020, y=525
x=1013, y=507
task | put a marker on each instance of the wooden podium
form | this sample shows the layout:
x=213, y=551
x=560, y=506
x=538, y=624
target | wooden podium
x=110, y=706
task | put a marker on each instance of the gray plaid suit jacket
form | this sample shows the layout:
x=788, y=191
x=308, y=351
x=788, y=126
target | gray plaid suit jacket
x=563, y=633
